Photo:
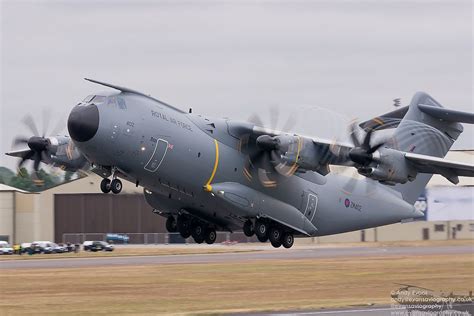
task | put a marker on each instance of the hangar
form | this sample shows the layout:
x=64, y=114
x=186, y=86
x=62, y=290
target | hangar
x=77, y=211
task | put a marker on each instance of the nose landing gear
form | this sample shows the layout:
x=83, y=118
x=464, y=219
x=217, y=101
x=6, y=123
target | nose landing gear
x=115, y=186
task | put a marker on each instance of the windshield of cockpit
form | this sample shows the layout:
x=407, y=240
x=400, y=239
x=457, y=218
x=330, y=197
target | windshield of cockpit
x=115, y=101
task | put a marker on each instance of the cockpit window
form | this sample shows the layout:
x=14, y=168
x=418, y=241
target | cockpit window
x=98, y=99
x=88, y=98
x=121, y=103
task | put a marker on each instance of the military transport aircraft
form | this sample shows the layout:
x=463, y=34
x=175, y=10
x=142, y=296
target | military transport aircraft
x=207, y=174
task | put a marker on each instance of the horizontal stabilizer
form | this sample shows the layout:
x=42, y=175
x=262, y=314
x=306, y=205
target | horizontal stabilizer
x=446, y=114
x=449, y=169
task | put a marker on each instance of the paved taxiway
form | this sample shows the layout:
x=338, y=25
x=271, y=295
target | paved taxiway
x=282, y=254
x=369, y=310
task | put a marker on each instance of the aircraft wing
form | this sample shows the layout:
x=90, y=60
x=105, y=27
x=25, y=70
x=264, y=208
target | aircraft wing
x=450, y=169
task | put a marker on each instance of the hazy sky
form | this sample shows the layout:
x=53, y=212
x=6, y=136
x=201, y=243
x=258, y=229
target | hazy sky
x=234, y=58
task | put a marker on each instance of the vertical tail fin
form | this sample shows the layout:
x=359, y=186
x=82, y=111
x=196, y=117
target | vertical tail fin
x=423, y=133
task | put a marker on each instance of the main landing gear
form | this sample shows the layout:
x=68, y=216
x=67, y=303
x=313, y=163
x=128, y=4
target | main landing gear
x=269, y=230
x=188, y=226
x=107, y=186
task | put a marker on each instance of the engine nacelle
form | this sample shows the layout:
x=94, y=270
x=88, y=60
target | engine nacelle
x=301, y=151
x=392, y=167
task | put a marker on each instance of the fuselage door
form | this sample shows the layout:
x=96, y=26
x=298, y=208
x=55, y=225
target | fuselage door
x=310, y=205
x=159, y=152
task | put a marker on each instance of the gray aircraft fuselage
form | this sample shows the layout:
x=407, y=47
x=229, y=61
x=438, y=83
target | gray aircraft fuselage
x=192, y=163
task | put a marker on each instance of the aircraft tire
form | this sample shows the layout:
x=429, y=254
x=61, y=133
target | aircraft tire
x=210, y=236
x=198, y=240
x=171, y=225
x=198, y=231
x=276, y=244
x=116, y=186
x=105, y=185
x=287, y=240
x=183, y=225
x=248, y=228
x=261, y=230
x=262, y=239
x=275, y=236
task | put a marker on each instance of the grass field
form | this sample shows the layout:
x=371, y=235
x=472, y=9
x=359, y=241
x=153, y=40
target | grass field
x=228, y=287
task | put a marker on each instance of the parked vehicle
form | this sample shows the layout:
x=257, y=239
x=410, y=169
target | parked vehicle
x=101, y=246
x=86, y=244
x=46, y=247
x=5, y=248
x=29, y=248
x=117, y=238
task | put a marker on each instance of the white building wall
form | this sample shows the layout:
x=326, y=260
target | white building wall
x=6, y=214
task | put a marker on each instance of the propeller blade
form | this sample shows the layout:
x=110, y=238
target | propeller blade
x=45, y=157
x=350, y=185
x=290, y=123
x=37, y=160
x=25, y=158
x=20, y=141
x=366, y=143
x=353, y=134
x=46, y=120
x=30, y=124
x=374, y=148
x=255, y=119
x=265, y=171
x=274, y=114
x=59, y=127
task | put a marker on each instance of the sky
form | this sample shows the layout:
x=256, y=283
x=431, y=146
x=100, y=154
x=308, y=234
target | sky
x=342, y=59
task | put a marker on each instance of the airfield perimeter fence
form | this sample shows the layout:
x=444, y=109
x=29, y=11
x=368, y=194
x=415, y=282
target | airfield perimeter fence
x=155, y=238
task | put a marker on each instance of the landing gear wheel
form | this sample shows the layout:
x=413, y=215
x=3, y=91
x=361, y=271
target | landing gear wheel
x=116, y=186
x=261, y=230
x=198, y=232
x=184, y=226
x=171, y=225
x=287, y=240
x=275, y=236
x=248, y=228
x=211, y=236
x=105, y=185
x=275, y=244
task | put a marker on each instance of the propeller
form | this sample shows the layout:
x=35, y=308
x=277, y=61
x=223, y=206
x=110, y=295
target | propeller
x=264, y=153
x=38, y=144
x=362, y=154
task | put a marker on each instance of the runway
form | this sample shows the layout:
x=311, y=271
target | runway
x=280, y=254
x=466, y=309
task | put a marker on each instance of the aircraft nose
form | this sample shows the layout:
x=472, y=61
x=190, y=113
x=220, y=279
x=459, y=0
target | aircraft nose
x=83, y=122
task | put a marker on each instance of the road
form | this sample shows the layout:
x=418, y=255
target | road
x=281, y=254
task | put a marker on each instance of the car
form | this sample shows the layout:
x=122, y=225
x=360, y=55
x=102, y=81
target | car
x=28, y=247
x=117, y=238
x=86, y=244
x=101, y=246
x=5, y=248
x=46, y=247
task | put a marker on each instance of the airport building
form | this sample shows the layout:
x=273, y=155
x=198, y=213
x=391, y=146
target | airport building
x=78, y=211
